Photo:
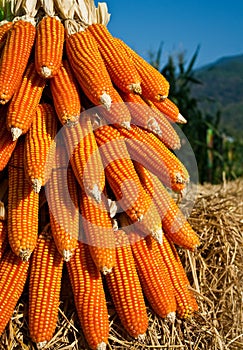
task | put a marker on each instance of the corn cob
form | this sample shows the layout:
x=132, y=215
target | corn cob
x=154, y=85
x=22, y=207
x=98, y=232
x=49, y=46
x=37, y=144
x=126, y=291
x=155, y=280
x=96, y=85
x=151, y=120
x=5, y=27
x=22, y=107
x=65, y=95
x=144, y=147
x=13, y=275
x=3, y=237
x=186, y=303
x=120, y=172
x=17, y=51
x=7, y=145
x=120, y=68
x=89, y=297
x=44, y=289
x=174, y=223
x=170, y=111
x=85, y=157
x=62, y=196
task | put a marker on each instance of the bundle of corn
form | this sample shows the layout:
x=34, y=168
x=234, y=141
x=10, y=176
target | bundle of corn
x=86, y=117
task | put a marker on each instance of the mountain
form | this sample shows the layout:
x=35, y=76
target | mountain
x=222, y=89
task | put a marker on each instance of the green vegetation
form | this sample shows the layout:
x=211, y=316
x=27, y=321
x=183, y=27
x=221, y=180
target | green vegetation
x=211, y=100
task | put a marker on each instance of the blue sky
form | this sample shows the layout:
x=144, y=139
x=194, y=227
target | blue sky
x=216, y=25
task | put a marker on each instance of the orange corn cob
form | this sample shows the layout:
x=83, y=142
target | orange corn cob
x=37, y=144
x=17, y=51
x=120, y=172
x=121, y=69
x=147, y=149
x=13, y=275
x=44, y=289
x=186, y=303
x=62, y=196
x=23, y=105
x=4, y=31
x=125, y=289
x=84, y=57
x=3, y=237
x=49, y=46
x=22, y=207
x=85, y=157
x=154, y=278
x=7, y=145
x=98, y=232
x=154, y=85
x=174, y=223
x=151, y=120
x=65, y=95
x=89, y=297
x=170, y=111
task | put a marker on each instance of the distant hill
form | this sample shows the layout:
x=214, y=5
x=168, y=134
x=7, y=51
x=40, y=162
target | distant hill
x=222, y=88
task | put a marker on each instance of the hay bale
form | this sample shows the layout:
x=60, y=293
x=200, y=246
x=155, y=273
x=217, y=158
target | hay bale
x=215, y=271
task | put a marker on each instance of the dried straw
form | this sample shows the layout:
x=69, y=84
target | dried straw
x=215, y=271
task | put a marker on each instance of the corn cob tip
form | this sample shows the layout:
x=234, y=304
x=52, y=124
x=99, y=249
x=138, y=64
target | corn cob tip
x=112, y=208
x=67, y=254
x=16, y=133
x=181, y=179
x=101, y=346
x=95, y=193
x=153, y=126
x=105, y=270
x=25, y=254
x=126, y=125
x=158, y=235
x=36, y=185
x=171, y=317
x=72, y=122
x=46, y=72
x=105, y=100
x=3, y=214
x=181, y=119
x=136, y=88
x=41, y=344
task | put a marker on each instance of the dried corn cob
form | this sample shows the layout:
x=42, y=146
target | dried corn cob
x=13, y=275
x=154, y=85
x=98, y=232
x=65, y=95
x=129, y=301
x=155, y=280
x=44, y=289
x=151, y=120
x=17, y=51
x=85, y=157
x=145, y=148
x=61, y=191
x=49, y=46
x=7, y=145
x=170, y=111
x=22, y=207
x=37, y=144
x=89, y=297
x=186, y=303
x=3, y=237
x=120, y=172
x=22, y=107
x=121, y=69
x=174, y=223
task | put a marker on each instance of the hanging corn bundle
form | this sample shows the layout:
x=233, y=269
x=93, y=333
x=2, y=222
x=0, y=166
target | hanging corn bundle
x=87, y=120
